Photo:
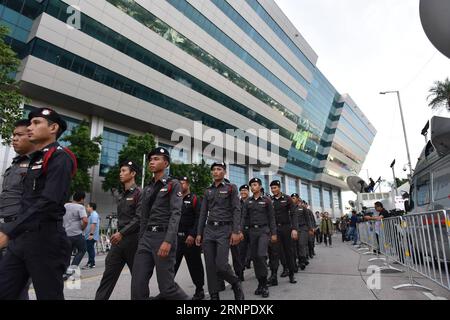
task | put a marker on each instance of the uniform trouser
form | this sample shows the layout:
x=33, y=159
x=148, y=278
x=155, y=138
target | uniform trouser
x=24, y=294
x=326, y=238
x=282, y=249
x=78, y=242
x=42, y=254
x=90, y=248
x=216, y=247
x=119, y=255
x=145, y=261
x=318, y=235
x=259, y=242
x=303, y=237
x=244, y=248
x=311, y=244
x=193, y=256
x=238, y=266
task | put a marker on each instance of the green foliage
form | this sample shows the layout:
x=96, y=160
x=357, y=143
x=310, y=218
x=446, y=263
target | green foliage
x=10, y=97
x=198, y=174
x=87, y=151
x=440, y=94
x=134, y=150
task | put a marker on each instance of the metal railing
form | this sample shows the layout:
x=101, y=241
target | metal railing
x=420, y=242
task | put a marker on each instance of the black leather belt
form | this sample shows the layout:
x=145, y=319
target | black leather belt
x=8, y=219
x=258, y=226
x=153, y=228
x=219, y=223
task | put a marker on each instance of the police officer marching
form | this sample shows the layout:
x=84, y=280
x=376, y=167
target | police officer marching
x=259, y=213
x=38, y=233
x=125, y=240
x=219, y=227
x=297, y=202
x=245, y=225
x=160, y=212
x=187, y=232
x=287, y=225
x=305, y=228
x=311, y=239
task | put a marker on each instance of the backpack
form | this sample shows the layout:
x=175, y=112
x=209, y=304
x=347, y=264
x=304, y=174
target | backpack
x=50, y=153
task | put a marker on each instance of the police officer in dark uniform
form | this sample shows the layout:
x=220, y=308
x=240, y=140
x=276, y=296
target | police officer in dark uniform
x=259, y=213
x=245, y=240
x=297, y=202
x=125, y=240
x=160, y=213
x=311, y=239
x=38, y=245
x=187, y=231
x=287, y=224
x=12, y=187
x=305, y=228
x=218, y=228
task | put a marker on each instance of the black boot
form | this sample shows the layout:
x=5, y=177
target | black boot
x=295, y=267
x=285, y=273
x=199, y=294
x=302, y=264
x=214, y=296
x=264, y=289
x=292, y=278
x=241, y=276
x=221, y=285
x=273, y=281
x=238, y=293
x=258, y=291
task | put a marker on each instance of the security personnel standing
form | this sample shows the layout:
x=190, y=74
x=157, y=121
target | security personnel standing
x=304, y=229
x=38, y=232
x=287, y=224
x=187, y=231
x=311, y=242
x=160, y=213
x=12, y=187
x=218, y=228
x=125, y=240
x=259, y=213
x=297, y=202
x=245, y=225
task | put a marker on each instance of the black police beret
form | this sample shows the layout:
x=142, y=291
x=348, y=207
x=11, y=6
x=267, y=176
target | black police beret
x=159, y=151
x=184, y=179
x=275, y=183
x=219, y=164
x=244, y=186
x=131, y=164
x=294, y=195
x=50, y=115
x=255, y=180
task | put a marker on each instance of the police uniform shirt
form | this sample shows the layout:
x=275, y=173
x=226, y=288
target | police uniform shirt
x=166, y=209
x=284, y=211
x=221, y=204
x=12, y=187
x=303, y=217
x=260, y=212
x=128, y=220
x=312, y=219
x=245, y=222
x=44, y=194
x=189, y=215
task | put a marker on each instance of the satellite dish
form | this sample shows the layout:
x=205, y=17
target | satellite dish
x=440, y=134
x=356, y=184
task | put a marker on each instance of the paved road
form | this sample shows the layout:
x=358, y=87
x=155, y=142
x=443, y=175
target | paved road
x=336, y=273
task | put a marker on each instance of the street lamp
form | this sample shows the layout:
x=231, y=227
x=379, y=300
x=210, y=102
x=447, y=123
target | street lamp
x=404, y=130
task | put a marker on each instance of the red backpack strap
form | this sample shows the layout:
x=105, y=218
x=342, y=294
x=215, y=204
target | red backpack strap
x=169, y=186
x=50, y=153
x=47, y=157
x=74, y=160
x=194, y=201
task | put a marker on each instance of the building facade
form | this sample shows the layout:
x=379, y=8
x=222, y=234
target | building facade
x=135, y=66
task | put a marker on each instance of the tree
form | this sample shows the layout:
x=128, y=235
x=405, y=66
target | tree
x=440, y=94
x=400, y=182
x=199, y=175
x=10, y=97
x=87, y=151
x=134, y=150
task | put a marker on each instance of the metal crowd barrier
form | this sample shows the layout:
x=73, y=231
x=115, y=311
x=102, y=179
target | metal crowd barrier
x=420, y=242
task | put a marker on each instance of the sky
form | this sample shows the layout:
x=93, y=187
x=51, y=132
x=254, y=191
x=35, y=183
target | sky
x=368, y=46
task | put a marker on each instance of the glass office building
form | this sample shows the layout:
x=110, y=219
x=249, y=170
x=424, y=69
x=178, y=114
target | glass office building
x=134, y=66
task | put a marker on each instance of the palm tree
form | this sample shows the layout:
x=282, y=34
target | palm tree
x=440, y=94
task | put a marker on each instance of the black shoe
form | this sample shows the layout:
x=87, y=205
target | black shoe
x=199, y=295
x=302, y=266
x=292, y=278
x=285, y=273
x=241, y=276
x=258, y=290
x=265, y=292
x=247, y=265
x=221, y=286
x=214, y=296
x=306, y=262
x=238, y=293
x=273, y=281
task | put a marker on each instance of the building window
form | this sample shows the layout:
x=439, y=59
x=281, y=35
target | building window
x=336, y=202
x=304, y=193
x=316, y=197
x=292, y=185
x=327, y=199
x=238, y=175
x=113, y=142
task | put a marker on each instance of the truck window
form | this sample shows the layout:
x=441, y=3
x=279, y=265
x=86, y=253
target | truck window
x=423, y=190
x=441, y=184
